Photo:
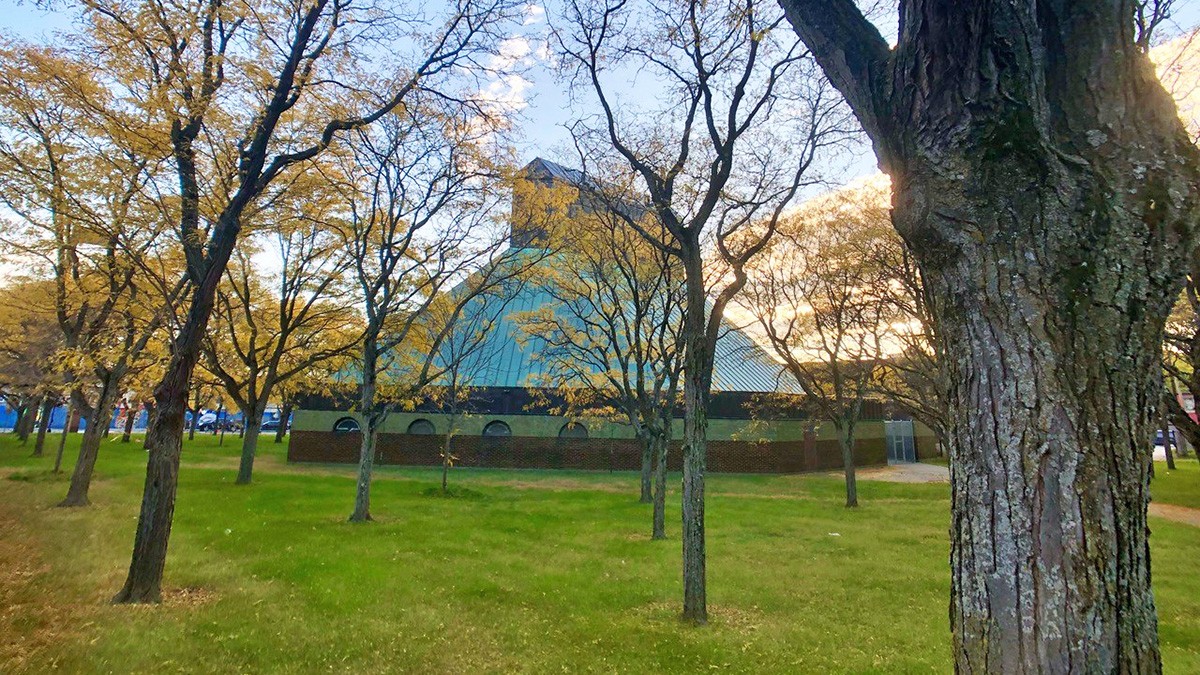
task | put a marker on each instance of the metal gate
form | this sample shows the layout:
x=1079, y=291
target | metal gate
x=899, y=437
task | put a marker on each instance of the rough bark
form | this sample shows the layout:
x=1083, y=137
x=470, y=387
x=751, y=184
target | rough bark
x=1048, y=191
x=252, y=419
x=39, y=444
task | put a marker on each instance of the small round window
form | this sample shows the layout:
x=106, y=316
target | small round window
x=421, y=428
x=573, y=430
x=496, y=429
x=346, y=425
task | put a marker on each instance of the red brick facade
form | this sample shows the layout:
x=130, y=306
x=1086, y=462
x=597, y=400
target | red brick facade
x=596, y=454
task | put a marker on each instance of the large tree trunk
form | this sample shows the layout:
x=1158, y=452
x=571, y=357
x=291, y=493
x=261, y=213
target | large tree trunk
x=661, y=442
x=1054, y=391
x=370, y=420
x=1049, y=473
x=39, y=444
x=89, y=447
x=285, y=413
x=252, y=419
x=1048, y=191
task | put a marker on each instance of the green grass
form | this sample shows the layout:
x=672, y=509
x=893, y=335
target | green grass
x=1181, y=486
x=530, y=571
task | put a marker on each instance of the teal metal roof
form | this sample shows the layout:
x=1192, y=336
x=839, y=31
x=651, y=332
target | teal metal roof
x=509, y=357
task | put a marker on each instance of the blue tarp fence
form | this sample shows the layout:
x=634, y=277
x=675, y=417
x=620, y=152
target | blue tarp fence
x=58, y=419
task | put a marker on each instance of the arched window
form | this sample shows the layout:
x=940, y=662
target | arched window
x=421, y=428
x=496, y=428
x=573, y=430
x=346, y=425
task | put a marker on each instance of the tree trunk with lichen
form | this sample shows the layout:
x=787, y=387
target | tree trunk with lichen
x=1050, y=415
x=1048, y=191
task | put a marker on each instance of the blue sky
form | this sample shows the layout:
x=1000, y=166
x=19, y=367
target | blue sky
x=544, y=103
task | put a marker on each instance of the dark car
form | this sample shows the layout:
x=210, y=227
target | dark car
x=270, y=424
x=1158, y=437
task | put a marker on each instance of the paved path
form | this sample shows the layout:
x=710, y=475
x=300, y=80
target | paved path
x=1178, y=514
x=933, y=473
x=917, y=472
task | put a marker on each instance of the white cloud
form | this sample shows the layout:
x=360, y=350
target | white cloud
x=534, y=14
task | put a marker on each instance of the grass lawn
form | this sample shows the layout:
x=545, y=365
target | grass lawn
x=1181, y=486
x=529, y=571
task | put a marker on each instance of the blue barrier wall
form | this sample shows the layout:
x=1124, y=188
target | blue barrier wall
x=58, y=418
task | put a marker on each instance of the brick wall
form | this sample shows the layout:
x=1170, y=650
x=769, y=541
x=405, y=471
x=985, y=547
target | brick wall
x=597, y=454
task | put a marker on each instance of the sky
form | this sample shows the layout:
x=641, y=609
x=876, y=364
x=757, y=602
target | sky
x=541, y=98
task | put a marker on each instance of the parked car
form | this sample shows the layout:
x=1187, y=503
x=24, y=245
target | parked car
x=1158, y=437
x=207, y=421
x=271, y=424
